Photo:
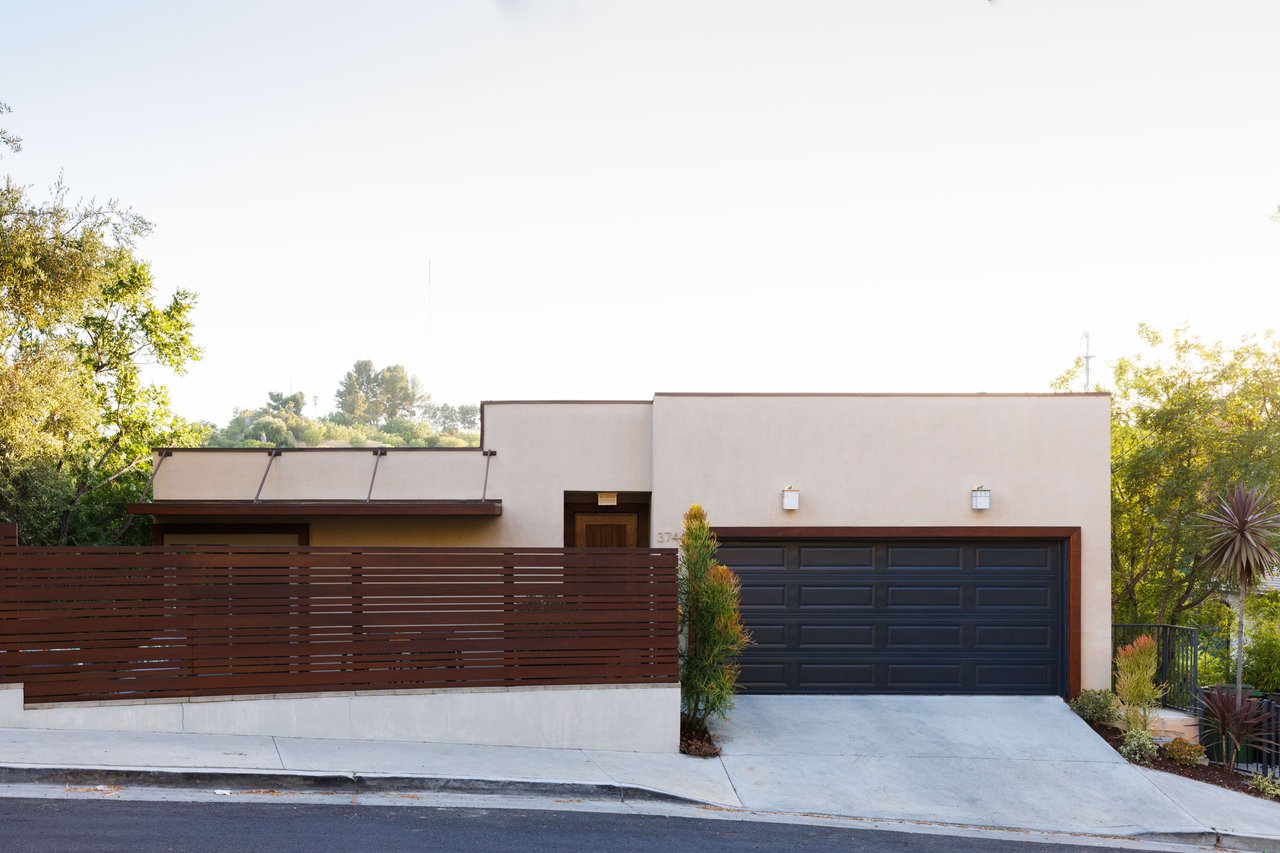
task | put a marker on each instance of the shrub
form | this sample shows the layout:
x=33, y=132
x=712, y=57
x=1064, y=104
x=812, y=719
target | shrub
x=1099, y=707
x=714, y=635
x=1267, y=786
x=1136, y=685
x=1184, y=752
x=1232, y=723
x=1262, y=655
x=1138, y=746
x=1214, y=669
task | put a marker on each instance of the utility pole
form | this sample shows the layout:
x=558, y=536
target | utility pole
x=1087, y=358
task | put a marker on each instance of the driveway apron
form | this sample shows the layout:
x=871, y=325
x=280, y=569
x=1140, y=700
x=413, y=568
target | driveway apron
x=1018, y=762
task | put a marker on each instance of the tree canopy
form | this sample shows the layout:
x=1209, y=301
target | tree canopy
x=80, y=316
x=1190, y=420
x=376, y=407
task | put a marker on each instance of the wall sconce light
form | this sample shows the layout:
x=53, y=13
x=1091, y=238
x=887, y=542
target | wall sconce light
x=790, y=498
x=981, y=497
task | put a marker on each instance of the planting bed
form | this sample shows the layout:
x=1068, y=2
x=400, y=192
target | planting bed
x=1211, y=773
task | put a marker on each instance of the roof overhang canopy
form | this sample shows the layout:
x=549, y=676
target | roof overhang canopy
x=275, y=509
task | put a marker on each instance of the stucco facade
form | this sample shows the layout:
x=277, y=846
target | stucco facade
x=858, y=462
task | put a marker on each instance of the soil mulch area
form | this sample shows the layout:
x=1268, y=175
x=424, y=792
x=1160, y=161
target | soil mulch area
x=1211, y=773
x=697, y=741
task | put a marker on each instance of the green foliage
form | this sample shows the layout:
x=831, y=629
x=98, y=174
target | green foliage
x=1184, y=752
x=1136, y=666
x=714, y=635
x=376, y=408
x=79, y=317
x=1139, y=747
x=7, y=139
x=1213, y=668
x=1267, y=786
x=1262, y=655
x=1189, y=419
x=373, y=397
x=1099, y=707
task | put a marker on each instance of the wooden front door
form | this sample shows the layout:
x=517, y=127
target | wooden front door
x=605, y=530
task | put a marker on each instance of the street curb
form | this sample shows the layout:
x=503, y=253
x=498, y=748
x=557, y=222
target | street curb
x=346, y=783
x=1225, y=840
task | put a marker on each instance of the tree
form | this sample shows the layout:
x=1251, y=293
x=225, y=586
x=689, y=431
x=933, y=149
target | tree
x=7, y=139
x=357, y=394
x=374, y=397
x=714, y=635
x=79, y=316
x=399, y=393
x=1242, y=549
x=1189, y=419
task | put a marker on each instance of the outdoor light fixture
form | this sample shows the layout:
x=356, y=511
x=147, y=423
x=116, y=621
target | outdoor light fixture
x=981, y=498
x=606, y=498
x=790, y=498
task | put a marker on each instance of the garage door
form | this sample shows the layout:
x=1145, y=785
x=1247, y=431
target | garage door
x=921, y=616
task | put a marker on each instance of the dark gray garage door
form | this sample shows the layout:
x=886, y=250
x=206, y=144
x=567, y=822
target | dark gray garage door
x=927, y=616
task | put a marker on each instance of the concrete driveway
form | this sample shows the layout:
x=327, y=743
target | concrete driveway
x=1022, y=762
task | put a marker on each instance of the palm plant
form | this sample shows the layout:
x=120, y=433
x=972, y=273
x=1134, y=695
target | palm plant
x=1243, y=530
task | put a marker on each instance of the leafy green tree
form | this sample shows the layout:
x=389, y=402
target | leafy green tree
x=357, y=395
x=79, y=316
x=399, y=393
x=1189, y=420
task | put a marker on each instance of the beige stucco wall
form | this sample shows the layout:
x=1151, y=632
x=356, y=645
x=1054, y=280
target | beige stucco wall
x=898, y=461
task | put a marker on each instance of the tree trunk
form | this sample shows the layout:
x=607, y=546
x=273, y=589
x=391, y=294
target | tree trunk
x=1240, y=647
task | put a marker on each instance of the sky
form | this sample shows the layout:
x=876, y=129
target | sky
x=569, y=199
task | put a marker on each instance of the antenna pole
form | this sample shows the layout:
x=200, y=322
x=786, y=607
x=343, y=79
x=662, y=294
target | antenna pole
x=1087, y=358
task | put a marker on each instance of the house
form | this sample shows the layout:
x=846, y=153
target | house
x=886, y=543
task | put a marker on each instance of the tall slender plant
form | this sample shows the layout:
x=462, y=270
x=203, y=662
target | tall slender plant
x=1242, y=547
x=714, y=634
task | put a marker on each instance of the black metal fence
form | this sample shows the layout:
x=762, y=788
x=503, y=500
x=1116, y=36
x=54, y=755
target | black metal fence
x=1179, y=651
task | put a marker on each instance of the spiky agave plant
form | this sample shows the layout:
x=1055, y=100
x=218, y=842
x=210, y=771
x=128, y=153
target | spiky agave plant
x=1243, y=529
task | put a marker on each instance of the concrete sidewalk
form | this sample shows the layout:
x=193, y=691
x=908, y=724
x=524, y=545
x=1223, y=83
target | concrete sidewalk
x=308, y=762
x=1087, y=790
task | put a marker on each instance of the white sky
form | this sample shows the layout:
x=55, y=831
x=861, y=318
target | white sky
x=622, y=197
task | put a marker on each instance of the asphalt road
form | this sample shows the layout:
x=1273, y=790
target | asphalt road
x=98, y=825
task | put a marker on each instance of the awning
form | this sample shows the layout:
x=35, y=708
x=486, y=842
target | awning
x=240, y=509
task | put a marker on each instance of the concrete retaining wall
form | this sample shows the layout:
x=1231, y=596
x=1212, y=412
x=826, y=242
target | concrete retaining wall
x=628, y=718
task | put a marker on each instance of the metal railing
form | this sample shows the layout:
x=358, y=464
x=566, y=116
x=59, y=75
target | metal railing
x=1179, y=652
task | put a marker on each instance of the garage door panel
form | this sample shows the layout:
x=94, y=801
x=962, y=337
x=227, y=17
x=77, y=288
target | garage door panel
x=889, y=617
x=1016, y=638
x=1033, y=676
x=751, y=558
x=1037, y=559
x=836, y=597
x=918, y=558
x=813, y=557
x=818, y=674
x=836, y=636
x=1035, y=597
x=918, y=636
x=763, y=596
x=916, y=597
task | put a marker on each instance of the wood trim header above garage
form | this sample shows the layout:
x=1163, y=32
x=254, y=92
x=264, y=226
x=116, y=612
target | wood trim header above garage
x=966, y=532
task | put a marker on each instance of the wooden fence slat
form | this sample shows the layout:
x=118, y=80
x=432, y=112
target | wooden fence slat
x=162, y=622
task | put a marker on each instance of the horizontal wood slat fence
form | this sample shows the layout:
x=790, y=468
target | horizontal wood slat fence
x=130, y=623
